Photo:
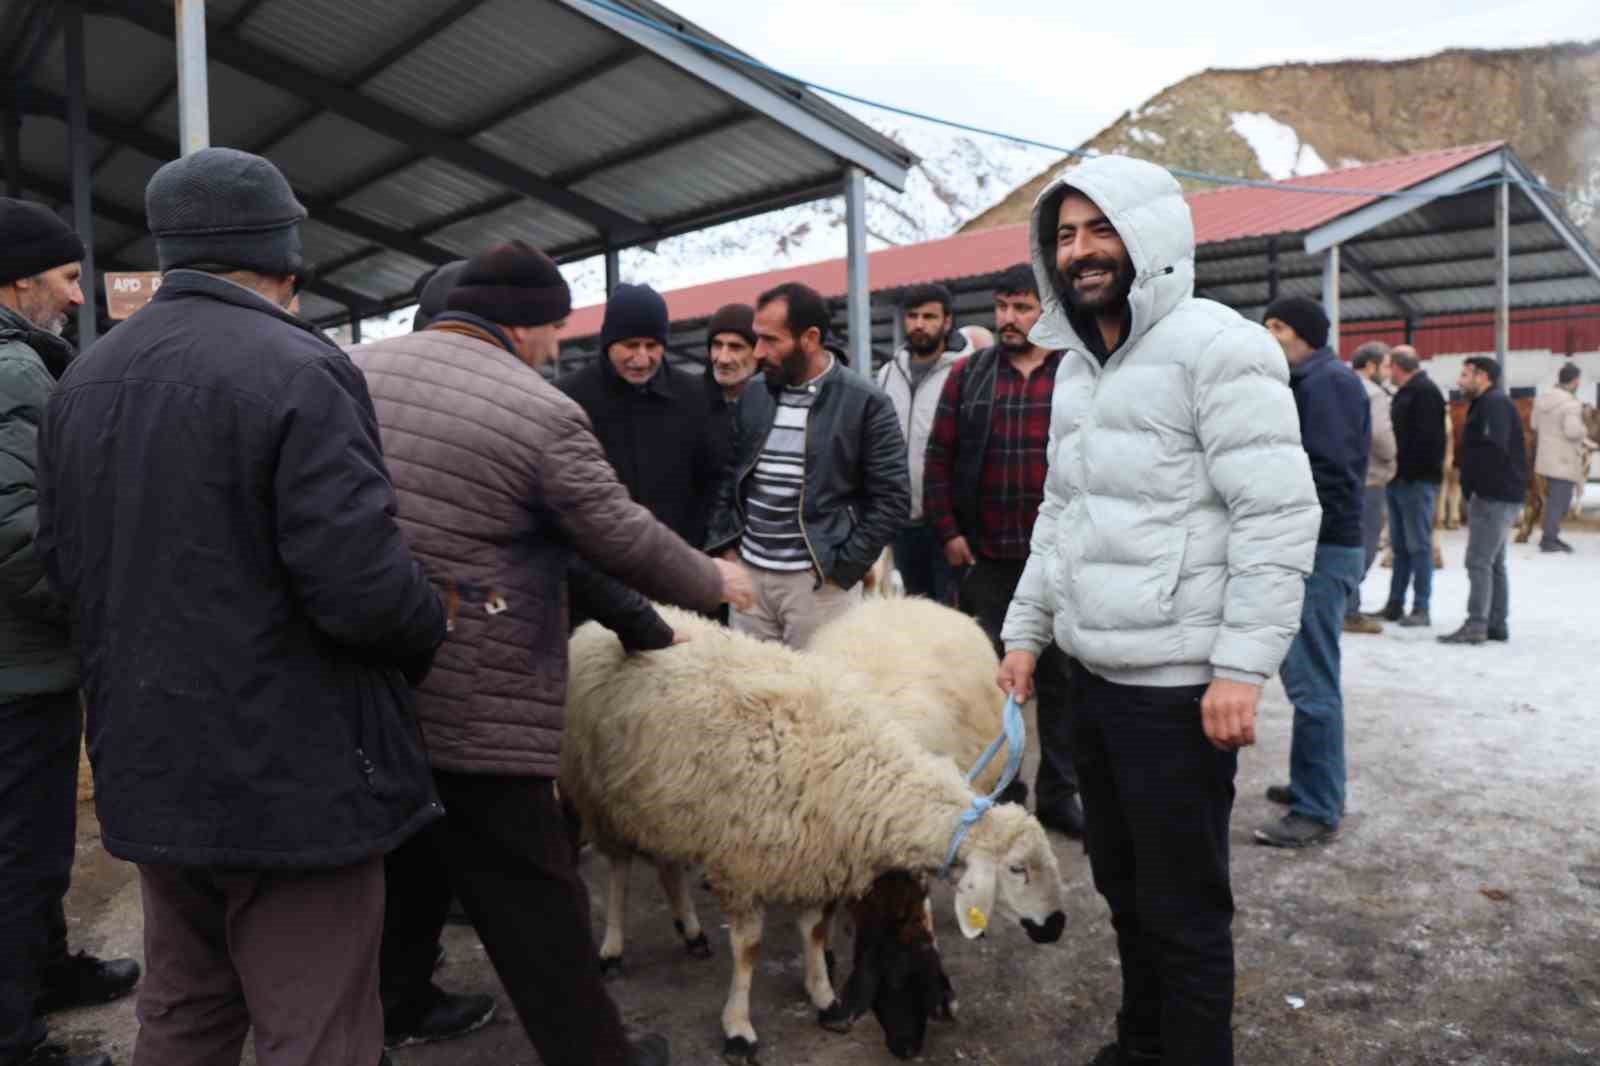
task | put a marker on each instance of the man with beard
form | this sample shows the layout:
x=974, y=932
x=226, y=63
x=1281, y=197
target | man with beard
x=987, y=458
x=913, y=380
x=818, y=482
x=41, y=722
x=1371, y=363
x=1494, y=483
x=1169, y=561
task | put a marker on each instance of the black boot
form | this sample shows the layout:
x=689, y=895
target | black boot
x=437, y=1015
x=81, y=980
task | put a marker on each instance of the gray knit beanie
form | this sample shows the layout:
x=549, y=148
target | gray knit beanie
x=224, y=208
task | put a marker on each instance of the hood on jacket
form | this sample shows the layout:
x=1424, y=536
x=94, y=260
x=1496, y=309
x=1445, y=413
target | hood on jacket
x=54, y=351
x=1146, y=205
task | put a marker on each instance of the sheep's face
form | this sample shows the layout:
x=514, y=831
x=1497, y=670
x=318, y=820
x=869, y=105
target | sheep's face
x=1023, y=875
x=897, y=970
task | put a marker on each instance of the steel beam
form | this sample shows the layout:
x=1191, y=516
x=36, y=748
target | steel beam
x=1502, y=273
x=194, y=97
x=1364, y=272
x=355, y=325
x=1330, y=294
x=36, y=48
x=860, y=287
x=78, y=153
x=1365, y=219
x=613, y=271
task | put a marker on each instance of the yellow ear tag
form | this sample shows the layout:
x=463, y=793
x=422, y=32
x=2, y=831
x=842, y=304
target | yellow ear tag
x=977, y=919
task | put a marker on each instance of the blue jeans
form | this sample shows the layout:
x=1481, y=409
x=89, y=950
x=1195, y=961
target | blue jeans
x=1411, y=534
x=919, y=556
x=1311, y=678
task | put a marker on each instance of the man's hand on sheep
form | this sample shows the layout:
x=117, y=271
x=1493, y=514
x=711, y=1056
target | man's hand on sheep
x=958, y=553
x=1228, y=714
x=737, y=587
x=1016, y=675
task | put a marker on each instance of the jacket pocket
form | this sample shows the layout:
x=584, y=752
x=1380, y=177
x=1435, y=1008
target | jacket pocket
x=1174, y=575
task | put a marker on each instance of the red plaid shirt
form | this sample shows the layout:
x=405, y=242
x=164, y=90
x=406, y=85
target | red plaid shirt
x=1014, y=463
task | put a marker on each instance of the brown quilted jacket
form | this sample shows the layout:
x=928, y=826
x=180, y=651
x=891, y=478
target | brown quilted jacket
x=499, y=478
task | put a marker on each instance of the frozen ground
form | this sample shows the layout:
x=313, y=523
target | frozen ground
x=1456, y=921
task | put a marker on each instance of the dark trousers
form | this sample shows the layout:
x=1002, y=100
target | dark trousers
x=985, y=593
x=1558, y=501
x=919, y=556
x=416, y=905
x=1156, y=801
x=39, y=738
x=291, y=955
x=509, y=854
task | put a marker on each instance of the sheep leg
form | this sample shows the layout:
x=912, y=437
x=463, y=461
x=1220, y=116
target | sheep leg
x=739, y=1036
x=675, y=883
x=616, y=912
x=816, y=925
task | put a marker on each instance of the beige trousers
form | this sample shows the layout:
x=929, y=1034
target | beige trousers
x=789, y=607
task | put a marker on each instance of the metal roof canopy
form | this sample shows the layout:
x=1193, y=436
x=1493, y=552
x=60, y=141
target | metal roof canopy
x=418, y=131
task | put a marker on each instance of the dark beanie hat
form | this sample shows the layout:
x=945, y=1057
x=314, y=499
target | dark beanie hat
x=511, y=284
x=733, y=318
x=1567, y=374
x=433, y=289
x=1304, y=316
x=634, y=311
x=221, y=207
x=33, y=239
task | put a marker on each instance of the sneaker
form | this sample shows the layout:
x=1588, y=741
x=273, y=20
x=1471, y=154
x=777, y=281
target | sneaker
x=1065, y=818
x=1562, y=546
x=1500, y=633
x=81, y=980
x=1362, y=623
x=438, y=1016
x=1392, y=612
x=649, y=1050
x=1469, y=633
x=1550, y=547
x=1281, y=794
x=1295, y=831
x=1416, y=620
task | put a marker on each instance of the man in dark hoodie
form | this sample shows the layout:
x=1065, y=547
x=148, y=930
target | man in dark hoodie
x=1336, y=430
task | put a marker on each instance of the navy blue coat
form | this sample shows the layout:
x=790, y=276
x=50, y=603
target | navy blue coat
x=1336, y=430
x=215, y=509
x=1494, y=459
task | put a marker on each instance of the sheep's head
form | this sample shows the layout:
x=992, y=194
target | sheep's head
x=1008, y=857
x=897, y=971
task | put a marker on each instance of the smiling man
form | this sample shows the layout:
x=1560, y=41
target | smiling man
x=1168, y=561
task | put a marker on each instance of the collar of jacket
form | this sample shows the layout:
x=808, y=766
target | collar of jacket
x=182, y=282
x=55, y=352
x=1315, y=361
x=660, y=383
x=470, y=325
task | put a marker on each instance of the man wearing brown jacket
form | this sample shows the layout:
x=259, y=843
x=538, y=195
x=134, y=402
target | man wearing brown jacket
x=499, y=477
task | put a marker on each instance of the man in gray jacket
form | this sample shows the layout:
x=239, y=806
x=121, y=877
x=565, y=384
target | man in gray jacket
x=1168, y=560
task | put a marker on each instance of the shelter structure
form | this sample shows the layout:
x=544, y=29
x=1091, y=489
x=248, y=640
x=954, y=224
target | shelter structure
x=418, y=131
x=1469, y=236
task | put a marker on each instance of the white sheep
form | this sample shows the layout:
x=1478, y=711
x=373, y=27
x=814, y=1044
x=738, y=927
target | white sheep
x=775, y=771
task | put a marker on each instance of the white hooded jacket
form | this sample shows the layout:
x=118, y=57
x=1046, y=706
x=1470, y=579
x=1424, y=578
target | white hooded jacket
x=916, y=407
x=1179, y=517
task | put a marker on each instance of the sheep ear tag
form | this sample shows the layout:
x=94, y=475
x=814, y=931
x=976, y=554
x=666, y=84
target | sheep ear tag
x=975, y=897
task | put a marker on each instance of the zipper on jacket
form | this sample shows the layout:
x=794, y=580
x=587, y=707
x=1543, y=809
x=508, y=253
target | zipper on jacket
x=805, y=446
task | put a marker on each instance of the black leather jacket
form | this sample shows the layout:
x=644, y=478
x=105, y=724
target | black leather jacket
x=857, y=492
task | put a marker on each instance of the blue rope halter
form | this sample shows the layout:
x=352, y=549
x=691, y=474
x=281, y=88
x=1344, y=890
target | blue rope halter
x=1014, y=736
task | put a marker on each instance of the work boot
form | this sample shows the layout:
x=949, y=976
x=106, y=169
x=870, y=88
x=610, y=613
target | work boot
x=1281, y=794
x=1500, y=633
x=1469, y=633
x=81, y=980
x=1417, y=620
x=1295, y=831
x=1392, y=612
x=437, y=1015
x=1065, y=817
x=649, y=1050
x=1362, y=623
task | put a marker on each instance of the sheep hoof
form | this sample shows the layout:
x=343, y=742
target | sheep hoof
x=611, y=968
x=698, y=948
x=737, y=1051
x=835, y=1018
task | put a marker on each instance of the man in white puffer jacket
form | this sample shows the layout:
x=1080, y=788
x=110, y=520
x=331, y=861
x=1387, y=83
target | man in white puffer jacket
x=1169, y=561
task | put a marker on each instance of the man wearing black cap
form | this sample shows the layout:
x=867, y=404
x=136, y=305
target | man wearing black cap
x=653, y=422
x=216, y=510
x=500, y=480
x=730, y=355
x=1336, y=430
x=41, y=721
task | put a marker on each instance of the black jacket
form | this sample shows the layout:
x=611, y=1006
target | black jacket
x=857, y=491
x=1419, y=431
x=1494, y=459
x=661, y=438
x=215, y=508
x=1336, y=431
x=596, y=596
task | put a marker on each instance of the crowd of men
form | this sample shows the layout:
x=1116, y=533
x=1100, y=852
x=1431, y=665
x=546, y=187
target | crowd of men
x=317, y=602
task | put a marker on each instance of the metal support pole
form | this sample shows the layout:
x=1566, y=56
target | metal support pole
x=1272, y=269
x=78, y=155
x=899, y=321
x=1502, y=276
x=355, y=326
x=859, y=314
x=194, y=102
x=613, y=270
x=1330, y=294
x=1411, y=331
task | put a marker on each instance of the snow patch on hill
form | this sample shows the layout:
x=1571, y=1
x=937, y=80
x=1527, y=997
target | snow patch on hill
x=1277, y=146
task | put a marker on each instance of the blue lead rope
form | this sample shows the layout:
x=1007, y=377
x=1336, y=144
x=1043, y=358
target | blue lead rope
x=1014, y=736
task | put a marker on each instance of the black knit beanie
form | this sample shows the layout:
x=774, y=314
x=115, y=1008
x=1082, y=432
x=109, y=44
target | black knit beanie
x=512, y=284
x=733, y=318
x=432, y=292
x=220, y=207
x=634, y=311
x=1304, y=316
x=1567, y=374
x=32, y=240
